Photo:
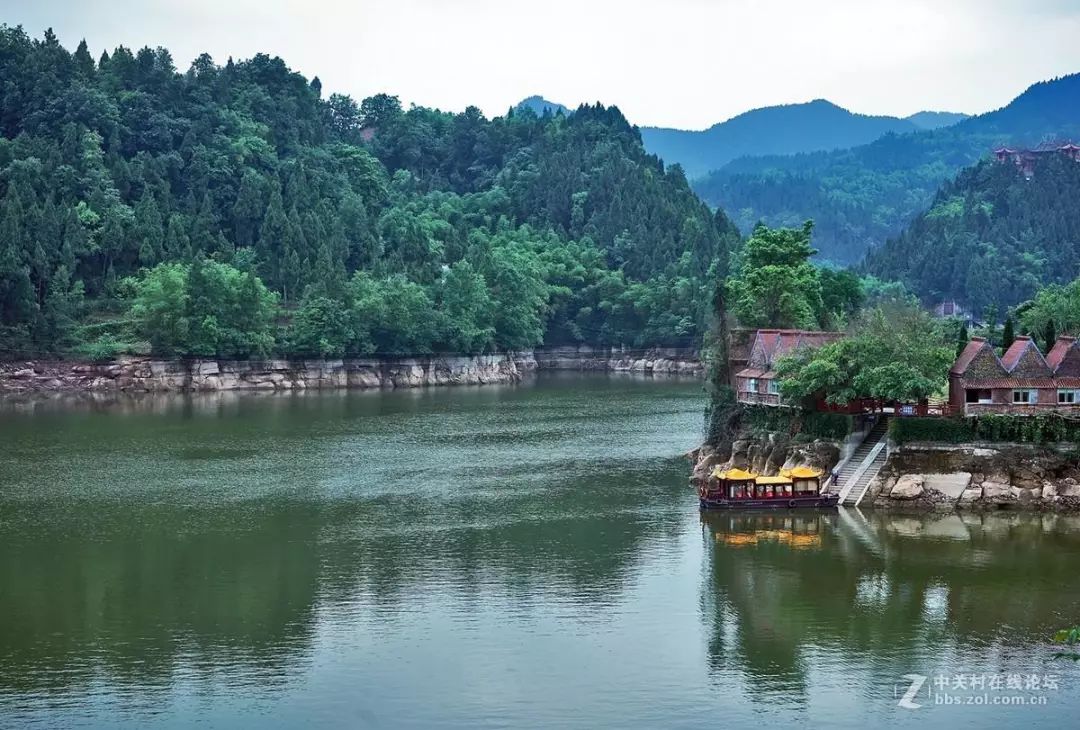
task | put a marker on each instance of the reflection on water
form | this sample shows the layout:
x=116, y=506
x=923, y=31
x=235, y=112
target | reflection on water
x=525, y=556
x=836, y=604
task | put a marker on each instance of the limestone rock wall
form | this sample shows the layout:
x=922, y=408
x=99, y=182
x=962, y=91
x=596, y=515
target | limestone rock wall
x=671, y=361
x=148, y=375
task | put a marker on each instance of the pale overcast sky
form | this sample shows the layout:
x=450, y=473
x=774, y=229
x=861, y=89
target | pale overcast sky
x=683, y=63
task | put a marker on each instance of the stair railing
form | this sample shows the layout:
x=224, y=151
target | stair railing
x=835, y=473
x=846, y=490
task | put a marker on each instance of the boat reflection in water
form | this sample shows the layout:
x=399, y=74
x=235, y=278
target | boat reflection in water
x=801, y=531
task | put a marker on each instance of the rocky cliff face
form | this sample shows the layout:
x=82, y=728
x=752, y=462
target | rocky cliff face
x=764, y=454
x=668, y=361
x=147, y=375
x=991, y=476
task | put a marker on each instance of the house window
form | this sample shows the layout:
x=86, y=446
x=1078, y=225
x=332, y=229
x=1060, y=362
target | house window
x=774, y=387
x=752, y=385
x=1069, y=396
x=1023, y=396
x=978, y=395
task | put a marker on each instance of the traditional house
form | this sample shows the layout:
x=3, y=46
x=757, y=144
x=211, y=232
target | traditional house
x=1025, y=159
x=1021, y=381
x=757, y=382
x=951, y=309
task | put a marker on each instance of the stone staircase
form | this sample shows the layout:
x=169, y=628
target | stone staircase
x=857, y=473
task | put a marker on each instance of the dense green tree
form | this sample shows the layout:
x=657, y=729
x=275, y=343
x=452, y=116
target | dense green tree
x=842, y=296
x=324, y=327
x=1049, y=335
x=203, y=309
x=1055, y=308
x=1008, y=335
x=774, y=284
x=467, y=308
x=892, y=354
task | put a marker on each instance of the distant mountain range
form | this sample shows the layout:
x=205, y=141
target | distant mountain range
x=780, y=130
x=775, y=130
x=861, y=196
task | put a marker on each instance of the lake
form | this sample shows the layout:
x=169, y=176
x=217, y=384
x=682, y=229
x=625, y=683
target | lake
x=497, y=556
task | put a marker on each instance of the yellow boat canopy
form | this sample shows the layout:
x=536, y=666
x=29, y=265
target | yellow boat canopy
x=801, y=472
x=734, y=475
x=778, y=479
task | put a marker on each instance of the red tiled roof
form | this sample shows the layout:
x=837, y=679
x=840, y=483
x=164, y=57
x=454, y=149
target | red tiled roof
x=1012, y=359
x=1014, y=383
x=1017, y=350
x=967, y=355
x=1022, y=383
x=756, y=373
x=1059, y=350
x=779, y=343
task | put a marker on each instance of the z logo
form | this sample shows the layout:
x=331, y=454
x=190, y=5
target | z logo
x=908, y=700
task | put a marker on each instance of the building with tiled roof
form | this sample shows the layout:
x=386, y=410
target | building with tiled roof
x=1020, y=381
x=757, y=382
x=1025, y=158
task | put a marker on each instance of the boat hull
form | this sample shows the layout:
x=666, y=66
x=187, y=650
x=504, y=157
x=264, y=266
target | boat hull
x=815, y=502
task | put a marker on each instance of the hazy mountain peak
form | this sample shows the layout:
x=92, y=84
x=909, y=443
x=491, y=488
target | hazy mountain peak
x=810, y=126
x=936, y=120
x=539, y=105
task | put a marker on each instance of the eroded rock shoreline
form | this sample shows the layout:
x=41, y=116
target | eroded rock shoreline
x=141, y=374
x=984, y=476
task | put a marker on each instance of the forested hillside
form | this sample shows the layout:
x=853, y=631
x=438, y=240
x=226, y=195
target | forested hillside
x=233, y=210
x=774, y=130
x=860, y=197
x=991, y=237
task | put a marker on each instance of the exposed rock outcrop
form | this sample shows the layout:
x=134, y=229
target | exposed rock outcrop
x=137, y=374
x=908, y=486
x=1006, y=476
x=146, y=375
x=671, y=361
x=764, y=454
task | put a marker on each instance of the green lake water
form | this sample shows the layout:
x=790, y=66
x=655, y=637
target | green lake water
x=501, y=556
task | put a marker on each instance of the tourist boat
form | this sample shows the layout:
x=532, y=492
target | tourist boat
x=738, y=489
